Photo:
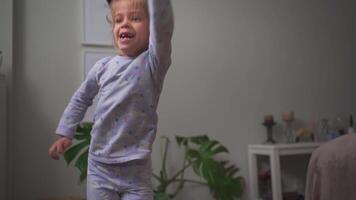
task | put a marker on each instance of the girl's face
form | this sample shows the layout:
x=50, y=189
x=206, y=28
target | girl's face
x=130, y=26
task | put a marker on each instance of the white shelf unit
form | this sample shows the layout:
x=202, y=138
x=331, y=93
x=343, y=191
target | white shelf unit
x=273, y=151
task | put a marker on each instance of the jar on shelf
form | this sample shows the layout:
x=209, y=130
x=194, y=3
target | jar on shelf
x=338, y=126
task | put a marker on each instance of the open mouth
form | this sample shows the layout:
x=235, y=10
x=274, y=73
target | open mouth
x=126, y=36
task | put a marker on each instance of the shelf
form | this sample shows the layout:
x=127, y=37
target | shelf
x=285, y=149
x=274, y=152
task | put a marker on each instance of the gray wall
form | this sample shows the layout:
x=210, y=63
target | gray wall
x=6, y=35
x=233, y=62
x=5, y=83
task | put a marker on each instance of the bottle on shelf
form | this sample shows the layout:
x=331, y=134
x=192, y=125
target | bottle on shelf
x=325, y=133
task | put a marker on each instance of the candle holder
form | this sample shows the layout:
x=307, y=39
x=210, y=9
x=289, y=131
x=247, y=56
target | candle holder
x=269, y=125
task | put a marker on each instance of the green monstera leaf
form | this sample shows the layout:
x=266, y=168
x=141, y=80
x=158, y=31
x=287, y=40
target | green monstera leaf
x=161, y=196
x=80, y=150
x=220, y=177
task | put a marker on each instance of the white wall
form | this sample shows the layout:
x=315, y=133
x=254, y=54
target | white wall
x=233, y=62
x=48, y=66
x=6, y=35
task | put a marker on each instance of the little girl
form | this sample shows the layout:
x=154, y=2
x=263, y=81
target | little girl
x=128, y=86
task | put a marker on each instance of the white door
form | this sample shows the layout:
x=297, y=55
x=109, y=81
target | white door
x=6, y=69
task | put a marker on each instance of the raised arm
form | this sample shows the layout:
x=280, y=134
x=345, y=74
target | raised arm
x=161, y=30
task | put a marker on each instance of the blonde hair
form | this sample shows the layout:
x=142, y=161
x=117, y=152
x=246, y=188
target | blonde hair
x=134, y=4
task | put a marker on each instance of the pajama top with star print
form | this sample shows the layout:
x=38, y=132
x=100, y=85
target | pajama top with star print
x=128, y=91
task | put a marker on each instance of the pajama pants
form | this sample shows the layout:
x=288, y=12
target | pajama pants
x=123, y=181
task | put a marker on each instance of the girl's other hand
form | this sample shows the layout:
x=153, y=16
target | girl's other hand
x=59, y=147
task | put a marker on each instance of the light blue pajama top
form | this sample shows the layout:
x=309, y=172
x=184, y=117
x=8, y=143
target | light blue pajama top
x=128, y=89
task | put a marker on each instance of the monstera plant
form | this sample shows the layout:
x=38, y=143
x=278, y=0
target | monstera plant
x=199, y=155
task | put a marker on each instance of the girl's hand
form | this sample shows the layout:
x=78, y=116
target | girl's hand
x=59, y=147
